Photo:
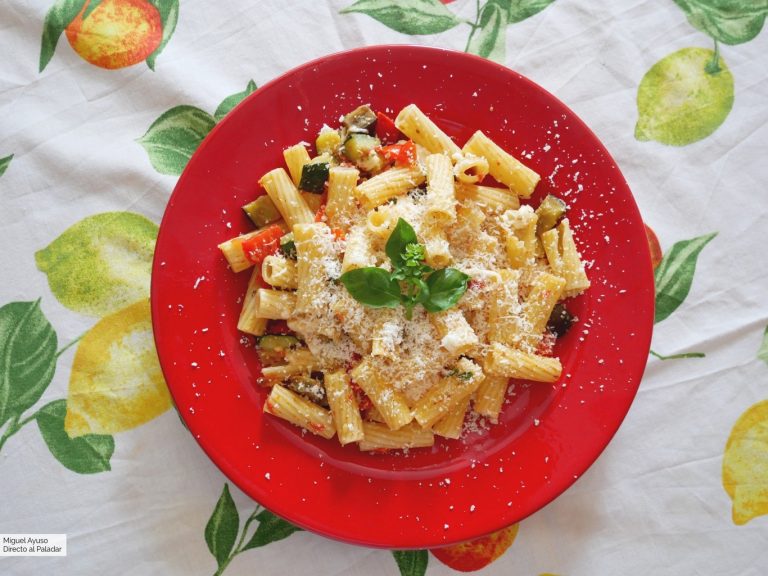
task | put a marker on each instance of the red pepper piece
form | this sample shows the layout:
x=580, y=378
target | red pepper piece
x=386, y=130
x=265, y=243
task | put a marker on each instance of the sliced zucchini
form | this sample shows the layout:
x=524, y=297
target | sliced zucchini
x=288, y=246
x=550, y=212
x=262, y=211
x=272, y=348
x=278, y=342
x=314, y=177
x=361, y=149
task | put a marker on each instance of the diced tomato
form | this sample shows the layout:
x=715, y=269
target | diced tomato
x=401, y=154
x=547, y=344
x=363, y=402
x=278, y=327
x=262, y=244
x=338, y=233
x=320, y=214
x=386, y=130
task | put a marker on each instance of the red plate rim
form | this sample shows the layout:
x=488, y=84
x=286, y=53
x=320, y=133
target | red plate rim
x=432, y=527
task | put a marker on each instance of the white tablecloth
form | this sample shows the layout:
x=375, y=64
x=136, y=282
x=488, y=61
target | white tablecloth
x=683, y=487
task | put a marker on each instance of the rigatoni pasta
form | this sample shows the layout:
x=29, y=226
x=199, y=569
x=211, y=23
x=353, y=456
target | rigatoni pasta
x=394, y=294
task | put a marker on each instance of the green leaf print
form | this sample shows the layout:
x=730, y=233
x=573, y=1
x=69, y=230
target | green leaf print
x=489, y=39
x=762, y=354
x=87, y=454
x=4, y=163
x=92, y=5
x=173, y=138
x=411, y=562
x=56, y=20
x=27, y=357
x=225, y=540
x=408, y=16
x=684, y=97
x=675, y=274
x=102, y=263
x=231, y=101
x=271, y=529
x=728, y=21
x=222, y=527
x=169, y=16
x=519, y=10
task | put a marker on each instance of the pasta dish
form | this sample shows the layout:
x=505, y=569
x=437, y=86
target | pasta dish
x=393, y=293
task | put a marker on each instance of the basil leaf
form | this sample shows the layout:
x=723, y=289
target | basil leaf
x=372, y=287
x=423, y=295
x=446, y=286
x=401, y=236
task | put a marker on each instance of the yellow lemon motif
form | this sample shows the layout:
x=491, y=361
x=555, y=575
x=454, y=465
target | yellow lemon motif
x=116, y=382
x=684, y=97
x=745, y=464
x=102, y=263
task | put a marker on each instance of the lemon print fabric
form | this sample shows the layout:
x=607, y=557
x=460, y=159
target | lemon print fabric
x=116, y=382
x=117, y=33
x=102, y=263
x=110, y=33
x=745, y=464
x=684, y=97
x=477, y=554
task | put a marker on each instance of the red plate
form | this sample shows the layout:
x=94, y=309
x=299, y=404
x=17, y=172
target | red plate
x=548, y=434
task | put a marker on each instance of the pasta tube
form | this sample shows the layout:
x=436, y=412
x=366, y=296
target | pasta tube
x=286, y=198
x=297, y=410
x=380, y=437
x=510, y=363
x=503, y=166
x=346, y=414
x=414, y=123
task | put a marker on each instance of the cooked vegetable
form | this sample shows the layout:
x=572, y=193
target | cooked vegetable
x=550, y=211
x=262, y=244
x=359, y=145
x=272, y=347
x=361, y=149
x=288, y=246
x=386, y=131
x=402, y=155
x=278, y=342
x=314, y=176
x=328, y=141
x=262, y=211
x=309, y=386
x=560, y=320
x=361, y=120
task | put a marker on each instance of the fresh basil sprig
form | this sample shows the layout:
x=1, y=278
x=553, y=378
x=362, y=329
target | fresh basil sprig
x=411, y=281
